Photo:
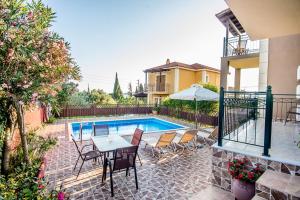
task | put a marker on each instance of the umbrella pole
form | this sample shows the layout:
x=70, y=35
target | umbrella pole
x=196, y=124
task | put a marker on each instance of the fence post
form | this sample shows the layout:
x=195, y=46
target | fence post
x=221, y=116
x=117, y=109
x=94, y=109
x=268, y=121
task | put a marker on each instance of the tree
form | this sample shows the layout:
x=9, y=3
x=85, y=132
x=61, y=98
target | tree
x=79, y=99
x=117, y=92
x=99, y=97
x=34, y=62
x=7, y=127
x=141, y=88
x=129, y=90
x=62, y=97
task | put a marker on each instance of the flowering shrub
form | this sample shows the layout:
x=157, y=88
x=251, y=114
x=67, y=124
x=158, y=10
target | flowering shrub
x=243, y=170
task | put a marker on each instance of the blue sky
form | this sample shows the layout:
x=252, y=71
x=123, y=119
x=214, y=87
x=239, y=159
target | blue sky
x=128, y=36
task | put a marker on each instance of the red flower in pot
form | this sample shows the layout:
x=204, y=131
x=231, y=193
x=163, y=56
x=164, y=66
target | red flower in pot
x=244, y=176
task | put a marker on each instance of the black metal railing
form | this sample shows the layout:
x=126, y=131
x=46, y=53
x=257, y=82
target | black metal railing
x=239, y=45
x=286, y=107
x=243, y=114
x=164, y=88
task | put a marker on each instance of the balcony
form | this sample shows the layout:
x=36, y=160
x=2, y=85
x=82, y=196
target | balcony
x=159, y=88
x=239, y=46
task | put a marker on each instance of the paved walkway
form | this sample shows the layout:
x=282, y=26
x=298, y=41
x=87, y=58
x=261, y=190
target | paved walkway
x=177, y=176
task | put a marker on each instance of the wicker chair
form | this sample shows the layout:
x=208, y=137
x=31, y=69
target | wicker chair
x=123, y=160
x=86, y=156
x=136, y=140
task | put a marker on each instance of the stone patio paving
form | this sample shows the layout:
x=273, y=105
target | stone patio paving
x=176, y=176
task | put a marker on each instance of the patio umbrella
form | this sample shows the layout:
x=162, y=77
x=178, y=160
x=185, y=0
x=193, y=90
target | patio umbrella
x=196, y=93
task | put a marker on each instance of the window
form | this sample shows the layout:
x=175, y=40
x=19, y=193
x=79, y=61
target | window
x=206, y=78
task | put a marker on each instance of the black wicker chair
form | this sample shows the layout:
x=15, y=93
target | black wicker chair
x=86, y=156
x=124, y=160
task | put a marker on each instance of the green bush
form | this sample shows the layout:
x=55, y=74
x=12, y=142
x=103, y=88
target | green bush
x=22, y=182
x=205, y=107
x=51, y=120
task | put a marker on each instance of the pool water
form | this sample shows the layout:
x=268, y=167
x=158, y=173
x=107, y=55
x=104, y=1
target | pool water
x=124, y=126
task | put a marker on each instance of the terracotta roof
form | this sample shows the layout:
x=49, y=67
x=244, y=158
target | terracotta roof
x=165, y=67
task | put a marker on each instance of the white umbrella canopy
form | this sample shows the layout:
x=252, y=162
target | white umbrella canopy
x=196, y=92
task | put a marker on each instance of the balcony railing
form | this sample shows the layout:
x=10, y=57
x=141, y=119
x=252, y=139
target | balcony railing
x=248, y=117
x=158, y=88
x=239, y=45
x=239, y=114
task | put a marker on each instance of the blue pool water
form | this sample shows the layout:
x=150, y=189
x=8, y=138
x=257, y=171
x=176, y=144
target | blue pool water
x=124, y=126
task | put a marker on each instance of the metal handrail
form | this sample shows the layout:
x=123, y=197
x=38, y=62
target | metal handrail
x=239, y=45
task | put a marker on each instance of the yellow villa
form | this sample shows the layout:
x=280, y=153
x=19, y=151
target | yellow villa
x=172, y=77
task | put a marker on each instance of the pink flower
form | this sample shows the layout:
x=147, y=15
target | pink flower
x=61, y=196
x=10, y=52
x=4, y=85
x=1, y=43
x=34, y=57
x=30, y=15
x=35, y=95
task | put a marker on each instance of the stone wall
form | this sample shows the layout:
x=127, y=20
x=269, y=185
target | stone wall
x=221, y=178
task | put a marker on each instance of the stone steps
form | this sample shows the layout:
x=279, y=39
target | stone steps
x=277, y=186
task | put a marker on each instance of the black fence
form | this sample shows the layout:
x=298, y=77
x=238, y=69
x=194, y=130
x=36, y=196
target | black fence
x=243, y=114
x=239, y=45
x=118, y=109
x=286, y=107
x=200, y=118
x=105, y=110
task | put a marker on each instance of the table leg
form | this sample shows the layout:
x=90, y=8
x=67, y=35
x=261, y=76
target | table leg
x=104, y=167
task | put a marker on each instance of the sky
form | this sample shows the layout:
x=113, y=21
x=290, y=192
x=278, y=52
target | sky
x=129, y=36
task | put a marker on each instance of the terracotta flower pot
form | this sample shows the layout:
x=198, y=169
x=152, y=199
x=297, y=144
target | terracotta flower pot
x=243, y=190
x=154, y=112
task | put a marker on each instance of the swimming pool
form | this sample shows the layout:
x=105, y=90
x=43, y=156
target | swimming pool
x=124, y=127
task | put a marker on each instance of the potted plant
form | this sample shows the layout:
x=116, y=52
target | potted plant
x=244, y=175
x=155, y=109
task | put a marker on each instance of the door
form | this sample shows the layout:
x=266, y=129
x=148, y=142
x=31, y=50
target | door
x=160, y=83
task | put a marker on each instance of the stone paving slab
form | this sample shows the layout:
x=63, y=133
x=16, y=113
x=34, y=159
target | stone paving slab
x=175, y=176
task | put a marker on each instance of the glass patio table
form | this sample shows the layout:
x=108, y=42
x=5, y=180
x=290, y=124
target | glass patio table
x=109, y=143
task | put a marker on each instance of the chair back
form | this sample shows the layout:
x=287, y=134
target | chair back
x=165, y=139
x=76, y=145
x=242, y=44
x=137, y=136
x=188, y=136
x=100, y=129
x=124, y=158
x=214, y=134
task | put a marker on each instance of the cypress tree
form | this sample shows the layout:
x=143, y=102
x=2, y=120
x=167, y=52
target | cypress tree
x=117, y=92
x=130, y=90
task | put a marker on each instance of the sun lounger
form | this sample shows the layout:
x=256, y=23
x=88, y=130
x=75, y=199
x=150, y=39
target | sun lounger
x=188, y=140
x=209, y=138
x=165, y=141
